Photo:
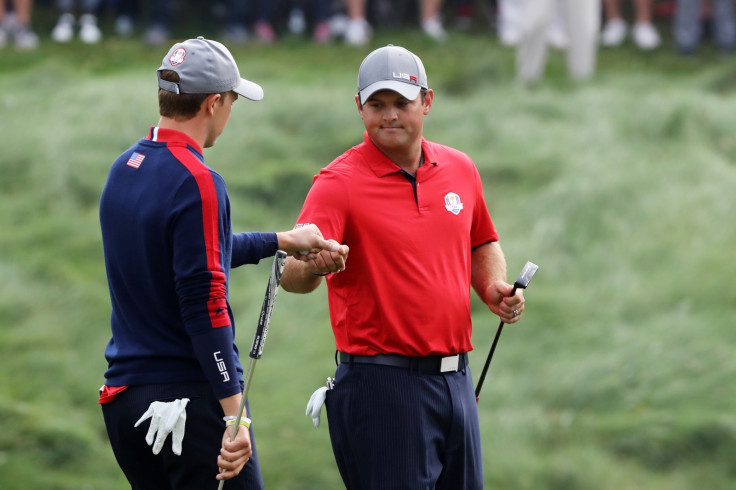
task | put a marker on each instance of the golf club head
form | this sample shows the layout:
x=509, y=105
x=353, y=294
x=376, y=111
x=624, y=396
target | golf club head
x=526, y=275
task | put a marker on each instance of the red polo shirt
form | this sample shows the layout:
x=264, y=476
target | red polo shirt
x=406, y=285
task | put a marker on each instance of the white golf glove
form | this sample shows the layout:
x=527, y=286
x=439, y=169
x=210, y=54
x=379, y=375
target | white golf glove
x=166, y=418
x=314, y=407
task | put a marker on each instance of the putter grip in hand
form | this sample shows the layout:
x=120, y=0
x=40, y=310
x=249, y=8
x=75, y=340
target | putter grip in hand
x=259, y=340
x=522, y=282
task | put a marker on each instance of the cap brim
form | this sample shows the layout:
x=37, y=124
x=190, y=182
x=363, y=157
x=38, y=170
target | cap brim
x=249, y=90
x=409, y=91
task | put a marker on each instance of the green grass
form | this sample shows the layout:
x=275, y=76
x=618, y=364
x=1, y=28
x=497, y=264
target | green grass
x=620, y=376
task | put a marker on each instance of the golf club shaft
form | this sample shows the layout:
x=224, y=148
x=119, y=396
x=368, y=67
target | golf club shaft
x=490, y=354
x=241, y=408
x=259, y=340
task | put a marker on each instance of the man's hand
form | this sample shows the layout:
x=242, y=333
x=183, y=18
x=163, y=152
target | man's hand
x=234, y=454
x=508, y=308
x=304, y=274
x=327, y=262
x=305, y=243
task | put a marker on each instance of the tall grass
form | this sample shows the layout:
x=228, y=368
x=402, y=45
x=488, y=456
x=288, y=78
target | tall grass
x=621, y=374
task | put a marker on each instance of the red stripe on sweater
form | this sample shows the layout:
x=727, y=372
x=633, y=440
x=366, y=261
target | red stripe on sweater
x=217, y=306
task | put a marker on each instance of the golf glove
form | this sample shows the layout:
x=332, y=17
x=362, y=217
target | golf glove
x=166, y=418
x=314, y=407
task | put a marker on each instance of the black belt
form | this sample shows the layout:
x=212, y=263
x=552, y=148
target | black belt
x=431, y=364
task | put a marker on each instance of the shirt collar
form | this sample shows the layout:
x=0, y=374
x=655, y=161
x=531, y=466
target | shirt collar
x=173, y=137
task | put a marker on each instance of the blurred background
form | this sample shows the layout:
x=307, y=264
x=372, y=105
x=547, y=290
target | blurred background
x=605, y=137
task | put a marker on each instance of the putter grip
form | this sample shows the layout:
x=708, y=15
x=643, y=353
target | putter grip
x=264, y=319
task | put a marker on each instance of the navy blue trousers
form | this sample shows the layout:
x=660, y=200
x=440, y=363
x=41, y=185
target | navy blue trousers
x=401, y=429
x=196, y=468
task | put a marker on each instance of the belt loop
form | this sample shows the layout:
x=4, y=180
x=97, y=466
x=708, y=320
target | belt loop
x=337, y=363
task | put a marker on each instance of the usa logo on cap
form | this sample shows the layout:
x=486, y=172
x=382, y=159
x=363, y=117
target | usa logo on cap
x=406, y=76
x=177, y=57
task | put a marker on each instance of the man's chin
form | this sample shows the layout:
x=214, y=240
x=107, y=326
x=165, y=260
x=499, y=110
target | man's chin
x=391, y=137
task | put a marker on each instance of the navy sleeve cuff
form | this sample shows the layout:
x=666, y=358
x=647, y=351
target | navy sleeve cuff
x=250, y=248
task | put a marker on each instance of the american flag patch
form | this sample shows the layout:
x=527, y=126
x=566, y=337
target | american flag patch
x=135, y=160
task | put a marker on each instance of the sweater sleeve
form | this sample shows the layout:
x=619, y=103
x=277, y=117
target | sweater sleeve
x=250, y=248
x=199, y=242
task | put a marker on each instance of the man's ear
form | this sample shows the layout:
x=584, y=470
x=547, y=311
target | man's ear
x=210, y=102
x=428, y=101
x=359, y=105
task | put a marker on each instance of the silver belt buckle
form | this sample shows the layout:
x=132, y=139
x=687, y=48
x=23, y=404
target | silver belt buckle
x=449, y=363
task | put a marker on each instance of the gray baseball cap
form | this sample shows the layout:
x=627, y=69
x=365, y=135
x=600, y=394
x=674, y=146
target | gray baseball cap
x=393, y=68
x=205, y=67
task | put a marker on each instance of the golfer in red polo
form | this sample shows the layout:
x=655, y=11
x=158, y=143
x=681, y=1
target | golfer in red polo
x=402, y=413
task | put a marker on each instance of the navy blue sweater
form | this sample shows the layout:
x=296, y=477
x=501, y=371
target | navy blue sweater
x=169, y=247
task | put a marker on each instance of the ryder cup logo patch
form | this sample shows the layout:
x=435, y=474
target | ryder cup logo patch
x=453, y=203
x=177, y=58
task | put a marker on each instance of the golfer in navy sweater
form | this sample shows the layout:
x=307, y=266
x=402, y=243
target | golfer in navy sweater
x=169, y=247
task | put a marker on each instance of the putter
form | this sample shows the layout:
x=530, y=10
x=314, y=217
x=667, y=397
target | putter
x=522, y=282
x=256, y=350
